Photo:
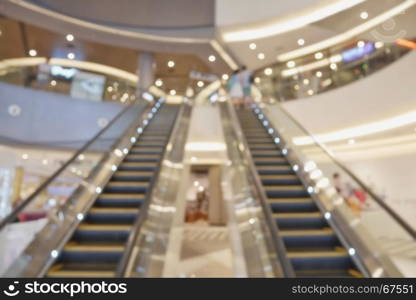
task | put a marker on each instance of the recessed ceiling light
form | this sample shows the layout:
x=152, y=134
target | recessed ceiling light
x=310, y=92
x=319, y=55
x=268, y=71
x=257, y=80
x=333, y=66
x=364, y=15
x=306, y=81
x=200, y=83
x=33, y=52
x=53, y=82
x=71, y=55
x=319, y=74
x=252, y=46
x=171, y=64
x=212, y=58
x=225, y=76
x=159, y=82
x=69, y=37
x=301, y=42
x=296, y=87
x=261, y=56
x=361, y=44
x=172, y=92
x=291, y=64
x=379, y=44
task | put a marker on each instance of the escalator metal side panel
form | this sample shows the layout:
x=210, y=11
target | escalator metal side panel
x=148, y=244
x=98, y=244
x=279, y=261
x=44, y=249
x=312, y=222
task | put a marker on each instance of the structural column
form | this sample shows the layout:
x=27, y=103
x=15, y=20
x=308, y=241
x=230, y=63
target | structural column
x=145, y=71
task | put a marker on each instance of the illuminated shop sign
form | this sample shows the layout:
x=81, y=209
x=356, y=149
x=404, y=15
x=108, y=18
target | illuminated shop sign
x=66, y=73
x=357, y=52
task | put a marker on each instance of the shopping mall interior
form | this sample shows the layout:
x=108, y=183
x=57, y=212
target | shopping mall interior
x=207, y=138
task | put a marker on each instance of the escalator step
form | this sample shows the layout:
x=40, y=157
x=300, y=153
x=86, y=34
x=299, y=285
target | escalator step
x=120, y=200
x=102, y=233
x=321, y=273
x=257, y=136
x=146, y=151
x=309, y=239
x=271, y=160
x=267, y=153
x=132, y=176
x=285, y=191
x=270, y=163
x=70, y=270
x=152, y=139
x=300, y=220
x=275, y=170
x=95, y=255
x=133, y=157
x=292, y=205
x=315, y=260
x=144, y=144
x=135, y=166
x=126, y=187
x=258, y=148
x=280, y=179
x=112, y=215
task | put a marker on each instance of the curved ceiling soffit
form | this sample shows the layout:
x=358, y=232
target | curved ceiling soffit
x=283, y=24
x=151, y=14
x=144, y=41
x=146, y=35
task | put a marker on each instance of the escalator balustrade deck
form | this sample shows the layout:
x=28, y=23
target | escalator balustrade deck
x=98, y=243
x=313, y=248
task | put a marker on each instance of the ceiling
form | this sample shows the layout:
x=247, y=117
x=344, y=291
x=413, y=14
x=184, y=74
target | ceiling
x=132, y=13
x=191, y=26
x=17, y=38
x=158, y=28
x=272, y=46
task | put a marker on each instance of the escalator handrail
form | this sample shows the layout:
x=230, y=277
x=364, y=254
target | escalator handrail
x=277, y=239
x=406, y=226
x=13, y=215
x=128, y=250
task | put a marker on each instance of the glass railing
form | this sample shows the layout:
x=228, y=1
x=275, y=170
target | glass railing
x=82, y=80
x=263, y=250
x=148, y=248
x=326, y=70
x=29, y=246
x=378, y=238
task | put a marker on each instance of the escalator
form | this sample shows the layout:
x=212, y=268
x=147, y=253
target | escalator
x=98, y=243
x=312, y=246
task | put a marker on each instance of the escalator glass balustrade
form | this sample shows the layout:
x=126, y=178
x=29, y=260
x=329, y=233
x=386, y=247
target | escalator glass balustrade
x=98, y=243
x=313, y=247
